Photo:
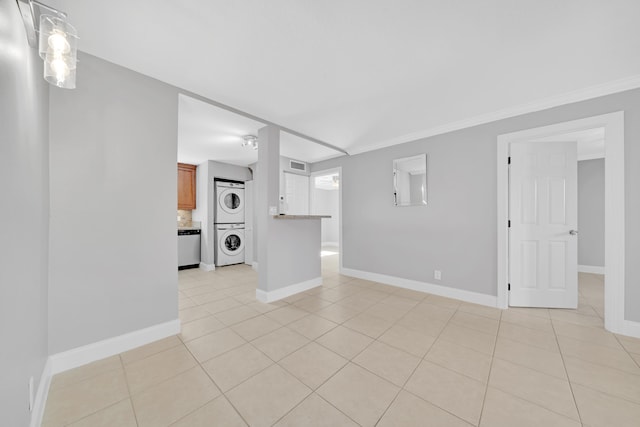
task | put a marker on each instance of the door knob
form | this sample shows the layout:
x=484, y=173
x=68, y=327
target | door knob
x=573, y=232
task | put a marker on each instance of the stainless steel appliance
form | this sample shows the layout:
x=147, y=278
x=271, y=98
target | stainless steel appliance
x=188, y=249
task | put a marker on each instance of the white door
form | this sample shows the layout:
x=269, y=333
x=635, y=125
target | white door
x=248, y=223
x=297, y=194
x=543, y=213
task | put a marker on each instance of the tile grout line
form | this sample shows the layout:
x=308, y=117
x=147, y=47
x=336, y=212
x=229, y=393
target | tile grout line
x=304, y=400
x=637, y=362
x=575, y=402
x=493, y=354
x=66, y=424
x=277, y=362
x=102, y=408
x=314, y=391
x=222, y=393
x=281, y=326
x=605, y=366
x=126, y=380
x=422, y=359
x=395, y=322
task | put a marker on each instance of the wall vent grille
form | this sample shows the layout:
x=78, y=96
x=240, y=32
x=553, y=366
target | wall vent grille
x=298, y=166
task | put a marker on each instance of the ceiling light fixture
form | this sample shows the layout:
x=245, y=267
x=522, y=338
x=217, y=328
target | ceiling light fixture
x=250, y=141
x=58, y=41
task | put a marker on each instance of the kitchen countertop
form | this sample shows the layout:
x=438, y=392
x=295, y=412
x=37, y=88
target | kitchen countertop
x=195, y=225
x=301, y=216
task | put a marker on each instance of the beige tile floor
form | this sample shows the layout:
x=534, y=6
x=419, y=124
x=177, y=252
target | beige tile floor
x=354, y=353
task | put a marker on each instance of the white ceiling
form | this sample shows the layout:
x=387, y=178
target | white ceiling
x=362, y=74
x=590, y=142
x=207, y=132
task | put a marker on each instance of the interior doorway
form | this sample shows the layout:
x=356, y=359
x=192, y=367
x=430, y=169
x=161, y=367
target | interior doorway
x=296, y=194
x=543, y=222
x=325, y=190
x=613, y=125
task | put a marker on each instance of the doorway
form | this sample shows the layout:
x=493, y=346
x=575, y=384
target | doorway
x=613, y=125
x=296, y=194
x=325, y=190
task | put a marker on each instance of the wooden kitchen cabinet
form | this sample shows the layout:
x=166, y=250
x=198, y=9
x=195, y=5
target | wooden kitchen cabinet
x=186, y=186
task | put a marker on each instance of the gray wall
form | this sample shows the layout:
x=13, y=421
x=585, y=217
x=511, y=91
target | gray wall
x=327, y=202
x=24, y=191
x=456, y=231
x=591, y=212
x=113, y=208
x=288, y=250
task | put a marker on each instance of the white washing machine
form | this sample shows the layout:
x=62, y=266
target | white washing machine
x=229, y=244
x=229, y=202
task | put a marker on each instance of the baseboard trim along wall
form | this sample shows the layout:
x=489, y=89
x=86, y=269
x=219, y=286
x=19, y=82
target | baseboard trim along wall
x=414, y=285
x=40, y=401
x=287, y=291
x=79, y=356
x=590, y=269
x=207, y=267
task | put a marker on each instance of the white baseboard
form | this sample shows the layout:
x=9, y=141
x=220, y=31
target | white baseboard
x=40, y=401
x=631, y=328
x=591, y=269
x=207, y=267
x=414, y=285
x=332, y=244
x=79, y=356
x=254, y=265
x=287, y=291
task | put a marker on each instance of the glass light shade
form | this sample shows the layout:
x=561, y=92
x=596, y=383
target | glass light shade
x=58, y=42
x=250, y=141
x=60, y=72
x=58, y=47
x=57, y=36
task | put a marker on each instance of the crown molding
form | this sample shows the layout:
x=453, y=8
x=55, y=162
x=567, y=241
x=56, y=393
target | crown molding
x=615, y=86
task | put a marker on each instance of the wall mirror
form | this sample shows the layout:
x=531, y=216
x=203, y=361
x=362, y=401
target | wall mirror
x=410, y=181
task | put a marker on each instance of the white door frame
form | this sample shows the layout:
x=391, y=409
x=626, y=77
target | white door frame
x=613, y=123
x=249, y=222
x=328, y=172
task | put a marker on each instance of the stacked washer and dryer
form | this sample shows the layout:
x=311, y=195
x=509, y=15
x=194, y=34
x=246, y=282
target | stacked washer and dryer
x=229, y=222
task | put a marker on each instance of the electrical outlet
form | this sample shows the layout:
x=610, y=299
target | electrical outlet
x=31, y=394
x=437, y=274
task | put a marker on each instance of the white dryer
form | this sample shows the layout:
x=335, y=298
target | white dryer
x=229, y=244
x=229, y=202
